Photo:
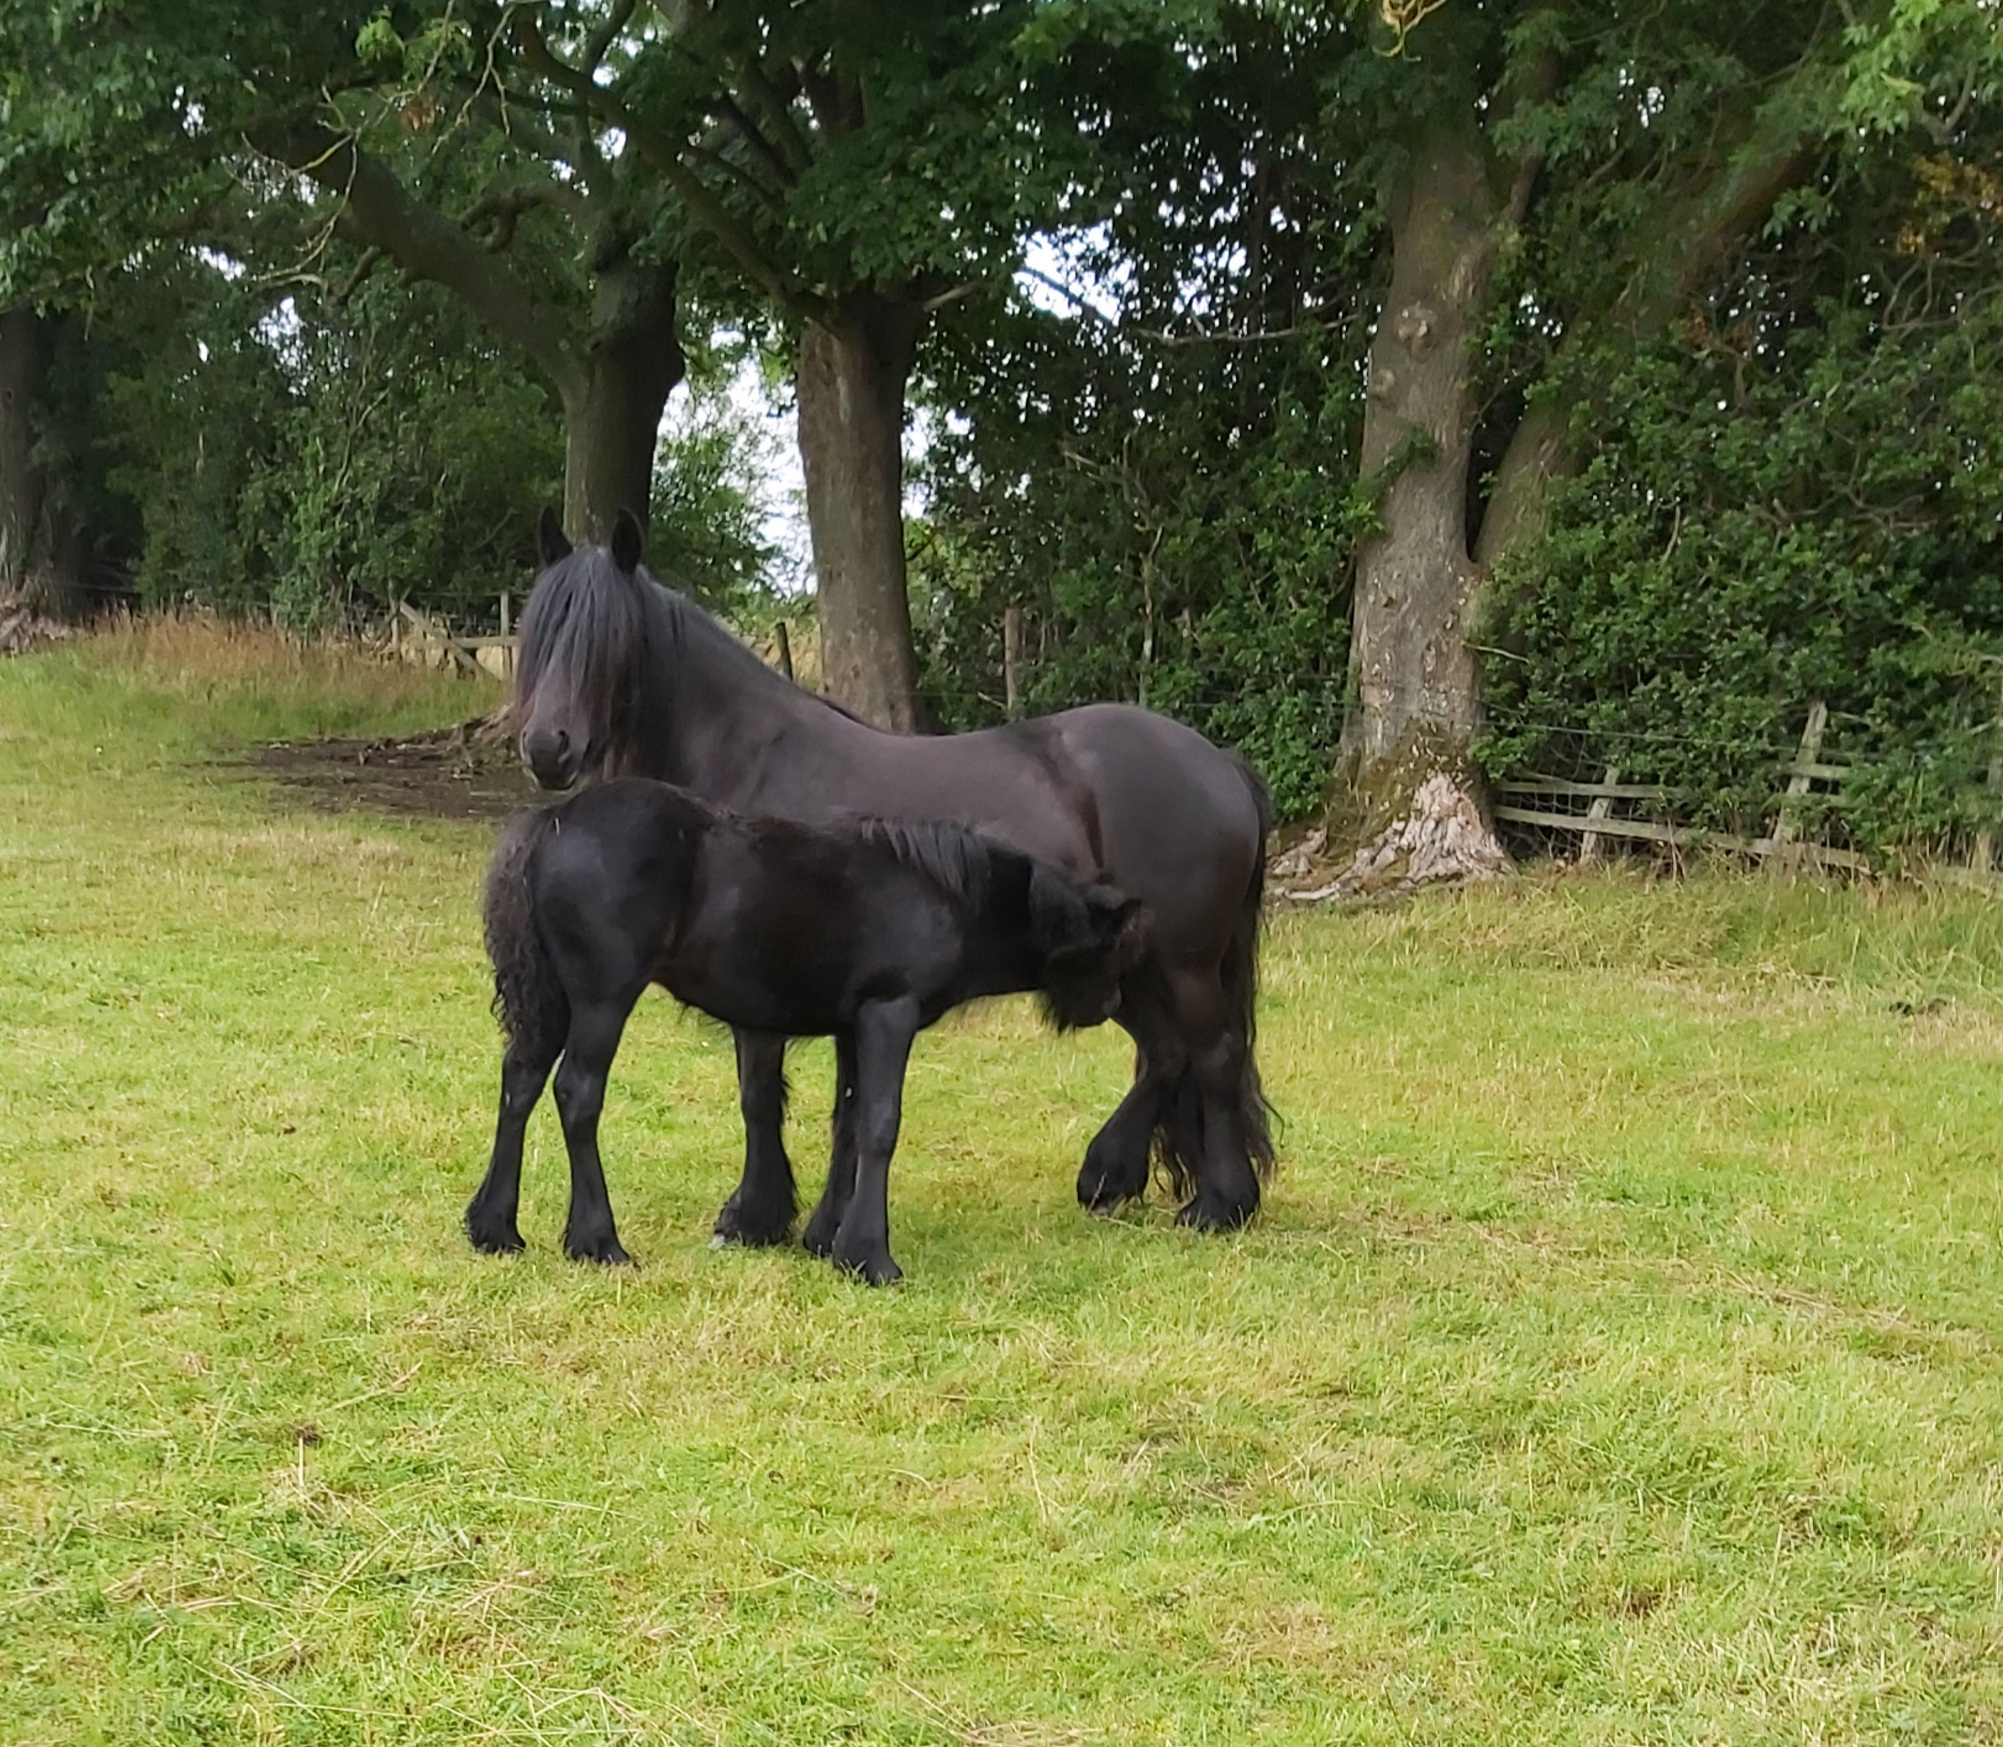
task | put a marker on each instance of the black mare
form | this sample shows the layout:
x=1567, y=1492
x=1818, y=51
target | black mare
x=866, y=933
x=616, y=674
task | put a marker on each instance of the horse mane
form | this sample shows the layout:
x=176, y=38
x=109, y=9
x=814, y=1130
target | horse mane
x=597, y=625
x=956, y=860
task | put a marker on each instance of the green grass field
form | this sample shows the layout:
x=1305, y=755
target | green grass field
x=1617, y=1359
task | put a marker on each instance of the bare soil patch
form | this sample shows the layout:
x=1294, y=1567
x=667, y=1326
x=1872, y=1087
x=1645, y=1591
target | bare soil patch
x=453, y=774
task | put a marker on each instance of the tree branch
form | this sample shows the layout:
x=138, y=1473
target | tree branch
x=742, y=176
x=787, y=140
x=1162, y=336
x=377, y=210
x=600, y=41
x=702, y=204
x=761, y=147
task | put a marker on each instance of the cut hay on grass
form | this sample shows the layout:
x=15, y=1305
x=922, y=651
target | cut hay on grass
x=1617, y=1358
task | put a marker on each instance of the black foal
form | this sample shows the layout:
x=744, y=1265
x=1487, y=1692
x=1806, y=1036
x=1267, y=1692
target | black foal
x=866, y=932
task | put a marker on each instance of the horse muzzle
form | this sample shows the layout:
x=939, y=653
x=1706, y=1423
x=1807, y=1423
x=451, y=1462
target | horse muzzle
x=551, y=756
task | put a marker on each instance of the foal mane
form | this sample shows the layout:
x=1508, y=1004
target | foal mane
x=956, y=860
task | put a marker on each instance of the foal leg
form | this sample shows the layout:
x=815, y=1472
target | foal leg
x=883, y=1037
x=826, y=1219
x=589, y=1234
x=761, y=1208
x=490, y=1215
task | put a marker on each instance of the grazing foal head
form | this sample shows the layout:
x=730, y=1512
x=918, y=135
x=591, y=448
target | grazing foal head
x=1088, y=938
x=581, y=661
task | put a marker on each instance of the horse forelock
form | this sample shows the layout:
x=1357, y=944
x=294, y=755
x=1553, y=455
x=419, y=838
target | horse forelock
x=956, y=860
x=586, y=638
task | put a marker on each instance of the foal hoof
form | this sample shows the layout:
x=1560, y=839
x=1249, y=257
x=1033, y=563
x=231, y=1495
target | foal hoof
x=606, y=1249
x=493, y=1237
x=1204, y=1214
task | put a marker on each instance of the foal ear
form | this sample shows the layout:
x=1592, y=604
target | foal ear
x=627, y=541
x=549, y=538
x=1058, y=918
x=1124, y=923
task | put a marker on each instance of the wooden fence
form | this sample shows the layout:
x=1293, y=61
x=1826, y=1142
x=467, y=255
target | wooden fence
x=1611, y=810
x=420, y=636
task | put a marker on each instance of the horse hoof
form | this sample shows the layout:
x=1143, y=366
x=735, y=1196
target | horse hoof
x=877, y=1270
x=607, y=1250
x=493, y=1240
x=1206, y=1215
x=755, y=1231
x=1105, y=1190
x=1109, y=1203
x=816, y=1240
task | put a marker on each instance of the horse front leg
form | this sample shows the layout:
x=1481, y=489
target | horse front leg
x=1115, y=1170
x=761, y=1208
x=883, y=1037
x=819, y=1237
x=490, y=1215
x=1226, y=1184
x=589, y=1234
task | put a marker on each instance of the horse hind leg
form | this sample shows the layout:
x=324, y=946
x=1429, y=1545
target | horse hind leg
x=761, y=1208
x=1205, y=1129
x=819, y=1237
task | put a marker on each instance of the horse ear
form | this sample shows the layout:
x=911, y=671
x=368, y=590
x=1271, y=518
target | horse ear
x=549, y=538
x=628, y=541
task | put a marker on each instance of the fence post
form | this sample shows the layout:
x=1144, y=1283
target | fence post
x=1602, y=805
x=784, y=649
x=507, y=631
x=1982, y=856
x=1782, y=839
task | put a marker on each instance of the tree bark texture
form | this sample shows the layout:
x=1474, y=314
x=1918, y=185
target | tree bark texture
x=1415, y=700
x=43, y=549
x=612, y=405
x=20, y=471
x=851, y=403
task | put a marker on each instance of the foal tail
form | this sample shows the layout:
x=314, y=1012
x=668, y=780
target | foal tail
x=528, y=997
x=1178, y=1140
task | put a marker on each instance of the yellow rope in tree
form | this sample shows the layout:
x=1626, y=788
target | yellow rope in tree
x=1400, y=16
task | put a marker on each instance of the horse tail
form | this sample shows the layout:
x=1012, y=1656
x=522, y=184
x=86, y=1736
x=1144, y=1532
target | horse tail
x=1241, y=986
x=528, y=995
x=1178, y=1138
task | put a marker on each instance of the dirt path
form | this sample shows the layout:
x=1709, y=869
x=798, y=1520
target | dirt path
x=439, y=776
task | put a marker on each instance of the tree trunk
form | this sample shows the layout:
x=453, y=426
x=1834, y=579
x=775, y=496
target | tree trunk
x=1415, y=708
x=851, y=393
x=612, y=406
x=43, y=549
x=20, y=471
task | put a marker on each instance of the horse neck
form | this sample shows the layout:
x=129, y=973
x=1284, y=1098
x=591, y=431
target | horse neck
x=727, y=708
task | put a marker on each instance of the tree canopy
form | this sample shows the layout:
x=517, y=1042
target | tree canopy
x=1387, y=389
